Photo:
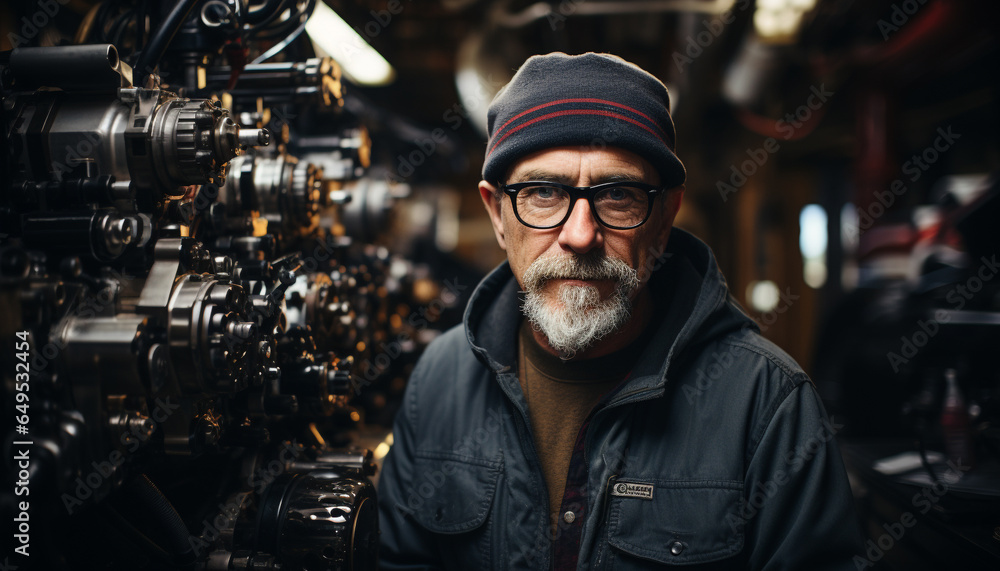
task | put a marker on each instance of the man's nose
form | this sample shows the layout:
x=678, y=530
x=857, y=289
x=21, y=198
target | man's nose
x=581, y=232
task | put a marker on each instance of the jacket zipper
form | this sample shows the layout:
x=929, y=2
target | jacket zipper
x=525, y=426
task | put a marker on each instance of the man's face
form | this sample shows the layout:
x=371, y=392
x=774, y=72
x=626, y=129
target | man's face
x=582, y=236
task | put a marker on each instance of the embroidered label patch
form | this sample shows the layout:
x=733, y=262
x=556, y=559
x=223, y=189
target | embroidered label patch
x=629, y=490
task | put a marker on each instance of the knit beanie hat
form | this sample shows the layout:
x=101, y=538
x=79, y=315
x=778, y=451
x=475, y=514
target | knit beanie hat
x=592, y=100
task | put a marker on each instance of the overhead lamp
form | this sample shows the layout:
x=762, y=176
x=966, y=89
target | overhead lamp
x=778, y=21
x=334, y=37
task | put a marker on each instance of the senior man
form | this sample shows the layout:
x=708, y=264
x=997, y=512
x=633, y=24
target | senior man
x=606, y=404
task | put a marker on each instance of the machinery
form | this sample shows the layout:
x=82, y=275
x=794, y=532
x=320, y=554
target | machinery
x=192, y=310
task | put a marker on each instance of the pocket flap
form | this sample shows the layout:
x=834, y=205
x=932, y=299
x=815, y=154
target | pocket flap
x=452, y=493
x=684, y=522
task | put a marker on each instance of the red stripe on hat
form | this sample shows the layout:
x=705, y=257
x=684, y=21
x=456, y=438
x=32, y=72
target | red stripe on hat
x=581, y=100
x=575, y=112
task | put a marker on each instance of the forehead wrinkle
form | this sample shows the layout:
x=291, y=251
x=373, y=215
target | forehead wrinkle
x=542, y=174
x=617, y=177
x=547, y=176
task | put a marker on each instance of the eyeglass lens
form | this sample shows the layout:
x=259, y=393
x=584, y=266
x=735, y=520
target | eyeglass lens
x=546, y=206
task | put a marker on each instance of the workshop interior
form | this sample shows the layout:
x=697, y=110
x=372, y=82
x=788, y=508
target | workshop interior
x=228, y=228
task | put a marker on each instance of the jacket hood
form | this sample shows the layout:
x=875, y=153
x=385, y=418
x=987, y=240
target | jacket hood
x=695, y=301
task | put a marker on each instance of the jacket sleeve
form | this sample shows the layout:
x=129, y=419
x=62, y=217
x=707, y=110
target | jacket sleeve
x=799, y=511
x=404, y=544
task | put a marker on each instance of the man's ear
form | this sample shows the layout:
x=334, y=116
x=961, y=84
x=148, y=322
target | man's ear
x=493, y=207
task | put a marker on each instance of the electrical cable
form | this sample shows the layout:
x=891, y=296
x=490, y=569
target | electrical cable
x=276, y=48
x=260, y=15
x=150, y=57
x=140, y=24
x=274, y=15
x=287, y=26
x=144, y=492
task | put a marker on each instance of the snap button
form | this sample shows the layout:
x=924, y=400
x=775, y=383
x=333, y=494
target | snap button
x=676, y=548
x=569, y=517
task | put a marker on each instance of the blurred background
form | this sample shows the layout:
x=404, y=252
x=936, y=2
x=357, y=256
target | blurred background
x=842, y=162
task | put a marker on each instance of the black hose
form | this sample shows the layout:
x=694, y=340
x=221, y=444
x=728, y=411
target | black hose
x=259, y=15
x=287, y=27
x=150, y=499
x=140, y=25
x=150, y=56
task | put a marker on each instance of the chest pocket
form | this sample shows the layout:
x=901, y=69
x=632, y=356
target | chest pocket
x=451, y=497
x=684, y=523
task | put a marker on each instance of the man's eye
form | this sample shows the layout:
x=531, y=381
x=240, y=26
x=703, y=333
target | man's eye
x=619, y=195
x=541, y=193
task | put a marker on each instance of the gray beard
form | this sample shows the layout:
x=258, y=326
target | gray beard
x=583, y=318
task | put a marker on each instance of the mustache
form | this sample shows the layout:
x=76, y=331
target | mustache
x=589, y=266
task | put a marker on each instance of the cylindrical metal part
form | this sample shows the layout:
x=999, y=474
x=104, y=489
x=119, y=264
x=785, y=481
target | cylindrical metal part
x=316, y=79
x=84, y=67
x=254, y=137
x=103, y=234
x=106, y=348
x=320, y=520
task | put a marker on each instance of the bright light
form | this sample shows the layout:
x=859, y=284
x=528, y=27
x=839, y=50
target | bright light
x=812, y=231
x=763, y=295
x=360, y=62
x=777, y=24
x=803, y=5
x=812, y=243
x=814, y=273
x=849, y=230
x=778, y=21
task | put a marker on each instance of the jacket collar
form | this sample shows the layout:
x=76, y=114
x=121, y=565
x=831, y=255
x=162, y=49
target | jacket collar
x=698, y=308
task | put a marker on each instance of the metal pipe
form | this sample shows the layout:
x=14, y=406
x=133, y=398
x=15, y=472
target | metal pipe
x=67, y=67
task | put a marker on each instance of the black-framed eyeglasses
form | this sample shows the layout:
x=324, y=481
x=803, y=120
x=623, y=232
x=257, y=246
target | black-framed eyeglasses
x=618, y=205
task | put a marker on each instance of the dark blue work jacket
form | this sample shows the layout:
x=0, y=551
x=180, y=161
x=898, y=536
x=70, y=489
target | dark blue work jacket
x=715, y=453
